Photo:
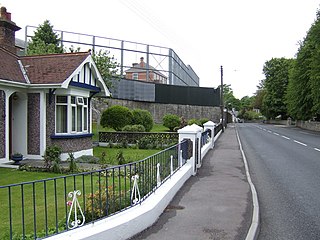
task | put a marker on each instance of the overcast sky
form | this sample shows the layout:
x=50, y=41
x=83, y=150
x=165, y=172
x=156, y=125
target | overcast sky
x=241, y=35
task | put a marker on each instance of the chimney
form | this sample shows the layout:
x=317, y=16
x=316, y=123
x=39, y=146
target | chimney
x=142, y=64
x=7, y=31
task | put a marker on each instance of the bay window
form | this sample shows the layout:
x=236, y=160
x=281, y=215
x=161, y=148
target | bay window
x=71, y=114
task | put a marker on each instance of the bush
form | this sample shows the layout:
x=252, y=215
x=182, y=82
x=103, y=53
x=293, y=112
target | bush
x=171, y=121
x=120, y=158
x=192, y=121
x=251, y=115
x=202, y=121
x=104, y=202
x=199, y=122
x=142, y=117
x=72, y=163
x=134, y=128
x=87, y=159
x=116, y=117
x=52, y=158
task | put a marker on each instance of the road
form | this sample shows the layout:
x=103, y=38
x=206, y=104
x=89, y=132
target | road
x=284, y=164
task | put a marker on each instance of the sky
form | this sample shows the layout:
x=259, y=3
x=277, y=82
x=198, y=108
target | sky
x=206, y=34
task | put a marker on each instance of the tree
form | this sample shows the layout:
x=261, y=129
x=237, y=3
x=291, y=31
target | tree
x=44, y=41
x=230, y=101
x=107, y=66
x=247, y=102
x=276, y=72
x=303, y=97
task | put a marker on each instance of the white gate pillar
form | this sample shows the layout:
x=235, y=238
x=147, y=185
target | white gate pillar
x=210, y=125
x=192, y=133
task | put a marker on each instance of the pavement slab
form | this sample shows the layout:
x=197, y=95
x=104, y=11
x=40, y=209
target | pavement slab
x=214, y=204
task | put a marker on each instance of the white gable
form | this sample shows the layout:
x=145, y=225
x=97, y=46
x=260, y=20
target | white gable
x=87, y=76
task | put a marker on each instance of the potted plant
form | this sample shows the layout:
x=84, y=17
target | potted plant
x=17, y=157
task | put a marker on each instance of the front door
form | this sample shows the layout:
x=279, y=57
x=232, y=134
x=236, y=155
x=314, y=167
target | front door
x=18, y=123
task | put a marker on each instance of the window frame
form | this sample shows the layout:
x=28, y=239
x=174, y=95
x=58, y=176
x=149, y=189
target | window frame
x=135, y=76
x=77, y=113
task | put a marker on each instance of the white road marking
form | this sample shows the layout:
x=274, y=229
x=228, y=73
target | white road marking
x=317, y=149
x=285, y=137
x=303, y=144
x=277, y=134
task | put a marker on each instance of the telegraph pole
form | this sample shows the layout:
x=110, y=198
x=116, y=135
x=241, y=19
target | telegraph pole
x=221, y=98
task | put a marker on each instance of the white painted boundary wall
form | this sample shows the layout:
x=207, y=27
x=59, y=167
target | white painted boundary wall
x=136, y=219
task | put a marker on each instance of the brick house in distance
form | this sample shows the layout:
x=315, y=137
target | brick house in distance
x=144, y=72
x=45, y=99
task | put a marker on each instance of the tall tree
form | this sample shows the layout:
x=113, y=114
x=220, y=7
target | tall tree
x=303, y=95
x=247, y=102
x=230, y=101
x=44, y=41
x=276, y=72
x=108, y=66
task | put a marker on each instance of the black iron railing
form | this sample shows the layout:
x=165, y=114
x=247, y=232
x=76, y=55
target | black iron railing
x=217, y=129
x=32, y=210
x=205, y=137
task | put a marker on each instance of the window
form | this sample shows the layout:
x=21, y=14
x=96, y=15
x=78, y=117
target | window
x=61, y=114
x=135, y=76
x=71, y=114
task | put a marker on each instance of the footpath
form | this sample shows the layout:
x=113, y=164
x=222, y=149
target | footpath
x=214, y=204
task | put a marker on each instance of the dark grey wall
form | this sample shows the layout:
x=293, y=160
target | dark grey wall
x=164, y=93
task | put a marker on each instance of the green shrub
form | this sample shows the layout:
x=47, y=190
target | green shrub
x=120, y=158
x=199, y=122
x=192, y=121
x=72, y=163
x=116, y=117
x=87, y=159
x=143, y=142
x=171, y=121
x=143, y=117
x=202, y=121
x=251, y=115
x=52, y=158
x=134, y=128
x=105, y=201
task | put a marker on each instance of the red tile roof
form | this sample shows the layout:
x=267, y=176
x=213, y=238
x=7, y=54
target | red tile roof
x=9, y=67
x=52, y=68
x=41, y=69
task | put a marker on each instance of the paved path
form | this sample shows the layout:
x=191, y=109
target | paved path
x=214, y=204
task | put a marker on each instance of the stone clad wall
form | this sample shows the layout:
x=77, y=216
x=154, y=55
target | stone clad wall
x=34, y=123
x=314, y=126
x=158, y=110
x=2, y=125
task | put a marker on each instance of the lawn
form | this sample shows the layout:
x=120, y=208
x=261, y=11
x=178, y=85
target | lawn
x=42, y=205
x=45, y=201
x=43, y=198
x=130, y=155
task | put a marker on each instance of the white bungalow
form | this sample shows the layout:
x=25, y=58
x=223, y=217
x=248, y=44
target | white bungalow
x=45, y=100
